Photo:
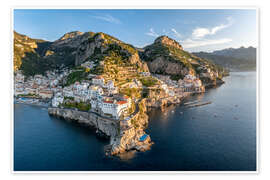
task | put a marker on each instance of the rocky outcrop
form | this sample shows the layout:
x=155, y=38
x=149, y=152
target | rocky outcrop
x=123, y=138
x=161, y=65
x=168, y=41
x=166, y=56
x=129, y=137
x=105, y=125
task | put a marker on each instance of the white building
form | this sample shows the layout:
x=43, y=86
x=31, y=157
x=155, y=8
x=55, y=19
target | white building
x=95, y=92
x=88, y=64
x=54, y=83
x=165, y=88
x=190, y=77
x=114, y=108
x=110, y=84
x=57, y=100
x=67, y=91
x=145, y=73
x=98, y=80
x=19, y=78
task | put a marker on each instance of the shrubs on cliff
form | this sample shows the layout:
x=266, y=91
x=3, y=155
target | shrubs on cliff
x=131, y=92
x=77, y=75
x=176, y=77
x=148, y=81
x=78, y=105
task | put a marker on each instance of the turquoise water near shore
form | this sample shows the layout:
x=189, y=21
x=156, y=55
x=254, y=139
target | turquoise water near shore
x=220, y=136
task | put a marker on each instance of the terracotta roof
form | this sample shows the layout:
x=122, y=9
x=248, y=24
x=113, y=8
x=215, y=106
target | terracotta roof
x=98, y=77
x=46, y=92
x=126, y=97
x=110, y=102
x=121, y=102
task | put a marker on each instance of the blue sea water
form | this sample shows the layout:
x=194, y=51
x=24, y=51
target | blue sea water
x=220, y=136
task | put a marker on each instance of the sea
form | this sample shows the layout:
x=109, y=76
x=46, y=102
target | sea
x=220, y=136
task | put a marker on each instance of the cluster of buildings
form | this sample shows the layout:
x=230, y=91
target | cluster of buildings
x=189, y=83
x=103, y=97
x=39, y=86
x=207, y=72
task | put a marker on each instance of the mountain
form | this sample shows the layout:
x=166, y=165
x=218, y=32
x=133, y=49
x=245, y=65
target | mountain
x=239, y=53
x=25, y=47
x=166, y=56
x=110, y=57
x=233, y=58
x=34, y=56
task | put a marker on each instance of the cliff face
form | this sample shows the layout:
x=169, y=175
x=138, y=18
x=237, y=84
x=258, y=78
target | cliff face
x=108, y=127
x=166, y=56
x=161, y=65
x=123, y=137
x=129, y=138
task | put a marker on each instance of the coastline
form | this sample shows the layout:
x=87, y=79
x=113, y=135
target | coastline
x=125, y=135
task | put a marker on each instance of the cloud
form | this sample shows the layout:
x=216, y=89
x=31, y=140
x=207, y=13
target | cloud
x=176, y=33
x=201, y=32
x=108, y=18
x=189, y=43
x=152, y=33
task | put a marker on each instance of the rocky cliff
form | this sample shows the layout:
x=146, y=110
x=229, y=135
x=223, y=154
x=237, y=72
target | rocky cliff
x=129, y=138
x=124, y=135
x=105, y=125
x=166, y=56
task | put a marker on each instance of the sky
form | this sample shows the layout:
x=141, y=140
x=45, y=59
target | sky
x=195, y=29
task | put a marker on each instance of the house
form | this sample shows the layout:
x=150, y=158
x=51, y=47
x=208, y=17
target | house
x=45, y=93
x=109, y=85
x=54, y=83
x=114, y=108
x=57, y=100
x=19, y=77
x=95, y=92
x=88, y=64
x=111, y=88
x=98, y=80
x=122, y=97
x=145, y=73
x=67, y=91
x=171, y=93
x=197, y=83
x=189, y=77
x=29, y=90
x=165, y=88
x=138, y=83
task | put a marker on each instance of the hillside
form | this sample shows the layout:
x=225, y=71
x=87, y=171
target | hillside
x=34, y=56
x=25, y=48
x=234, y=59
x=110, y=57
x=166, y=56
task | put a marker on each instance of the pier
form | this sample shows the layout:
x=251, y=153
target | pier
x=198, y=104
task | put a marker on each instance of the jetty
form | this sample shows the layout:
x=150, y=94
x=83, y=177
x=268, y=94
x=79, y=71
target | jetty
x=199, y=104
x=189, y=103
